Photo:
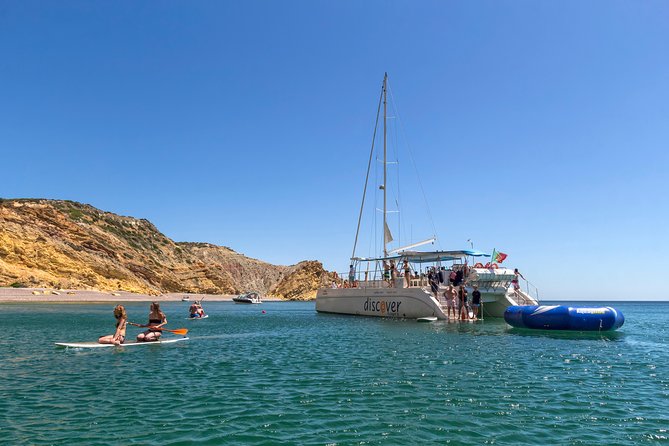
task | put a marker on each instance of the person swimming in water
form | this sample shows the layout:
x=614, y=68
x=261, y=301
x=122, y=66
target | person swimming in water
x=156, y=320
x=118, y=337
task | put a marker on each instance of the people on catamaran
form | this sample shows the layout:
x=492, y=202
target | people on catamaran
x=434, y=283
x=118, y=337
x=449, y=294
x=393, y=273
x=386, y=272
x=476, y=302
x=459, y=276
x=407, y=273
x=514, y=282
x=156, y=320
x=464, y=310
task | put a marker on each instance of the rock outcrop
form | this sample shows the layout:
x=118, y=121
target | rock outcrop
x=65, y=244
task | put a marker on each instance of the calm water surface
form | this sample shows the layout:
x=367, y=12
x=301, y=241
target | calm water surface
x=292, y=376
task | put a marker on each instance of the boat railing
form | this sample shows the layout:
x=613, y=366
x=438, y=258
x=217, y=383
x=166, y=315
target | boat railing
x=530, y=290
x=372, y=279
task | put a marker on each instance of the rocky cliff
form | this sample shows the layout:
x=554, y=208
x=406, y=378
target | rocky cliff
x=64, y=244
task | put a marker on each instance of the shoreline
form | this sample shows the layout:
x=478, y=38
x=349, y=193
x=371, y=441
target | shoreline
x=50, y=295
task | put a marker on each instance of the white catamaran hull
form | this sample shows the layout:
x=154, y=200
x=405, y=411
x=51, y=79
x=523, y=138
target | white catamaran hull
x=381, y=302
x=407, y=302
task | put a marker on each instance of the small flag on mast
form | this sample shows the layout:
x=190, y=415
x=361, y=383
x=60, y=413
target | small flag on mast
x=387, y=236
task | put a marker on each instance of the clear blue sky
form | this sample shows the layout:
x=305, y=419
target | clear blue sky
x=248, y=124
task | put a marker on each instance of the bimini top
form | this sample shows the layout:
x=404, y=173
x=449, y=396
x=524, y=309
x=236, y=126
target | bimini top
x=427, y=257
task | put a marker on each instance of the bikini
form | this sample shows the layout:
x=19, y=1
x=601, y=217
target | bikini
x=155, y=322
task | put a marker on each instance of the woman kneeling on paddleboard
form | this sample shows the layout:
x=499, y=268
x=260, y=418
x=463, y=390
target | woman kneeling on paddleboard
x=156, y=320
x=118, y=337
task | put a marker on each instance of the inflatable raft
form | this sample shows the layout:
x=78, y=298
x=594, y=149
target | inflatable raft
x=563, y=317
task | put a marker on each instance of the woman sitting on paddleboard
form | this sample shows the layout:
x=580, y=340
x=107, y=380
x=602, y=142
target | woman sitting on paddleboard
x=121, y=321
x=156, y=320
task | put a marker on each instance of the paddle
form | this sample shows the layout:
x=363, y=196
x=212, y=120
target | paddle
x=178, y=331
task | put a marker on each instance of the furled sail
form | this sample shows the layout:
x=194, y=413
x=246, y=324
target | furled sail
x=387, y=236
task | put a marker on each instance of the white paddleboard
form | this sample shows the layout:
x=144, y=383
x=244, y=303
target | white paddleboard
x=427, y=319
x=195, y=318
x=127, y=344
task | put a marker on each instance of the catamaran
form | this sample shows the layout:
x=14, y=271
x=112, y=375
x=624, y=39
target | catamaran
x=395, y=285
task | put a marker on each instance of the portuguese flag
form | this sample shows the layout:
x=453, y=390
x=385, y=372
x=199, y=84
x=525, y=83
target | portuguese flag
x=497, y=257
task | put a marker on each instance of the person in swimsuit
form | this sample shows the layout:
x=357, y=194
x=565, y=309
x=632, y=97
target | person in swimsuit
x=464, y=310
x=514, y=282
x=156, y=320
x=449, y=294
x=194, y=310
x=118, y=337
x=386, y=272
x=407, y=273
x=198, y=309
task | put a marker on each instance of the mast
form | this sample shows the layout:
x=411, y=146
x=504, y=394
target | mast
x=385, y=85
x=369, y=166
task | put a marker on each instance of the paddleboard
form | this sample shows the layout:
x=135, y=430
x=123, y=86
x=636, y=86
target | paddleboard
x=427, y=319
x=127, y=344
x=195, y=318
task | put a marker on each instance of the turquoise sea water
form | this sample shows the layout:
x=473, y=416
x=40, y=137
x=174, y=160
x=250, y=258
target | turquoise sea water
x=293, y=376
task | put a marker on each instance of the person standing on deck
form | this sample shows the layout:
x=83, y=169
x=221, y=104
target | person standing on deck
x=476, y=301
x=464, y=311
x=386, y=272
x=442, y=275
x=458, y=278
x=351, y=275
x=514, y=282
x=393, y=273
x=407, y=273
x=449, y=294
x=434, y=283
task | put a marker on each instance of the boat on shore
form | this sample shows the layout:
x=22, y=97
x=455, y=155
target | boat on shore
x=375, y=289
x=248, y=298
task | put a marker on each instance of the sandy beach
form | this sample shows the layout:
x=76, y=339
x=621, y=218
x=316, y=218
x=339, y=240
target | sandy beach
x=8, y=295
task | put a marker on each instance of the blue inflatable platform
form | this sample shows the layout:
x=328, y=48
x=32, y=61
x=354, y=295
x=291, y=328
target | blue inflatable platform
x=563, y=317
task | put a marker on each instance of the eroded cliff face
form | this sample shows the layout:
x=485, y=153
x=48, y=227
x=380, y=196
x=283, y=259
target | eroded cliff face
x=64, y=244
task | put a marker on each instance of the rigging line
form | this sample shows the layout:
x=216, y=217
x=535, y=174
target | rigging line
x=413, y=162
x=398, y=200
x=369, y=164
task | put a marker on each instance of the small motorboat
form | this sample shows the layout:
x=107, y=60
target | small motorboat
x=564, y=317
x=248, y=298
x=185, y=299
